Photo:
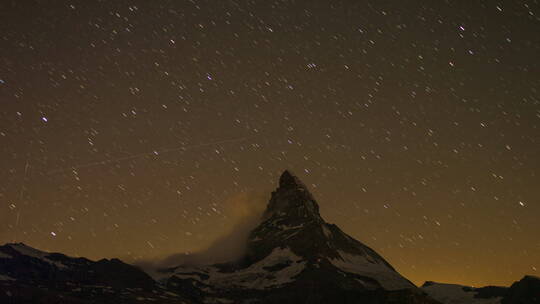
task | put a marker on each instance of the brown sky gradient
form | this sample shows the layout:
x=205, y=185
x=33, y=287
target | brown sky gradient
x=138, y=129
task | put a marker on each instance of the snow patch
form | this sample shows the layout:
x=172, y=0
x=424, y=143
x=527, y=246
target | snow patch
x=291, y=234
x=28, y=251
x=6, y=278
x=326, y=231
x=285, y=227
x=364, y=266
x=183, y=275
x=34, y=253
x=455, y=294
x=172, y=294
x=256, y=276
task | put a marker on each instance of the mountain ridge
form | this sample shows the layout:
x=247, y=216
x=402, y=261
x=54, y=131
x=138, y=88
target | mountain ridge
x=292, y=256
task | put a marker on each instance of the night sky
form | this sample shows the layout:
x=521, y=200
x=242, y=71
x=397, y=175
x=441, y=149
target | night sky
x=138, y=129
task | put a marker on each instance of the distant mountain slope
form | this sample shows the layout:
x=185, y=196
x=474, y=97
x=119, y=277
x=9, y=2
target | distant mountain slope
x=459, y=294
x=28, y=275
x=524, y=291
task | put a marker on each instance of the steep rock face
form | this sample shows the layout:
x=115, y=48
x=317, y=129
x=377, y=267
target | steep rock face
x=292, y=199
x=294, y=254
x=292, y=221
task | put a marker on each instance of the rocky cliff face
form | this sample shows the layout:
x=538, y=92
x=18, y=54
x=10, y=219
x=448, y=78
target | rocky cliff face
x=292, y=221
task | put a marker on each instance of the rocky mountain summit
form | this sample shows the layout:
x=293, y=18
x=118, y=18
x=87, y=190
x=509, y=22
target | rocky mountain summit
x=294, y=256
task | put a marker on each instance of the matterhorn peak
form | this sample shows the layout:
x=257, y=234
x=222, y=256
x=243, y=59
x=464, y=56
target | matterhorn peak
x=292, y=222
x=288, y=179
x=292, y=199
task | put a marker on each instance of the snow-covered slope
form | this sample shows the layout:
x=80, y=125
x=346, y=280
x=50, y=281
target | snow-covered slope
x=278, y=268
x=524, y=291
x=388, y=278
x=30, y=252
x=456, y=294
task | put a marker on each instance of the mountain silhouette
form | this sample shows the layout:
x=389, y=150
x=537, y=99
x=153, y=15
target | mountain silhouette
x=292, y=256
